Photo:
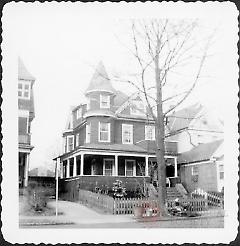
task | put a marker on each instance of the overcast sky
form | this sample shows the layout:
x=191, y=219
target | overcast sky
x=61, y=44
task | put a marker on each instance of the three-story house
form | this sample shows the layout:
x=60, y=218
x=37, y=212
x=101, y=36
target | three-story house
x=25, y=117
x=111, y=137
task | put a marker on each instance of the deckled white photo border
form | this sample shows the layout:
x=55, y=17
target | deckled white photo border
x=10, y=228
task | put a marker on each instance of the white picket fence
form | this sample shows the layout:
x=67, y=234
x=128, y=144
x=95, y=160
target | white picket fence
x=212, y=198
x=127, y=205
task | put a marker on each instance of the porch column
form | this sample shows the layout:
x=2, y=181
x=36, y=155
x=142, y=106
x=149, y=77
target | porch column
x=116, y=165
x=175, y=167
x=74, y=166
x=146, y=166
x=26, y=167
x=82, y=163
x=68, y=168
x=61, y=170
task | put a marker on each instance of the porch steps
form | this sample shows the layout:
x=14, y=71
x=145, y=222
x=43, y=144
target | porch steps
x=173, y=193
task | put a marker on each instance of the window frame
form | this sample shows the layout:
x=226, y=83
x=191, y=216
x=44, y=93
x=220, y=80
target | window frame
x=131, y=133
x=104, y=166
x=79, y=113
x=68, y=137
x=108, y=131
x=147, y=131
x=88, y=133
x=221, y=171
x=194, y=173
x=23, y=90
x=133, y=167
x=102, y=100
x=77, y=139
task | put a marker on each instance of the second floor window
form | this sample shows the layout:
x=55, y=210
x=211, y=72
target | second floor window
x=127, y=134
x=104, y=132
x=104, y=101
x=24, y=90
x=70, y=143
x=88, y=132
x=149, y=132
x=77, y=139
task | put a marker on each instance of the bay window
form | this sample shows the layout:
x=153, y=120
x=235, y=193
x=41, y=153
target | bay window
x=104, y=132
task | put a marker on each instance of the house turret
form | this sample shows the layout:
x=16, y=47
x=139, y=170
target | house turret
x=100, y=94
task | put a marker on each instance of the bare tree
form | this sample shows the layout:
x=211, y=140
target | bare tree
x=164, y=48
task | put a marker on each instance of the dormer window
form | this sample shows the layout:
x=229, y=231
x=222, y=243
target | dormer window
x=24, y=90
x=149, y=132
x=79, y=113
x=137, y=108
x=104, y=101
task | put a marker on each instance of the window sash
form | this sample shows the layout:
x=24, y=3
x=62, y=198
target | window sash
x=149, y=132
x=108, y=167
x=104, y=132
x=77, y=139
x=24, y=90
x=195, y=170
x=129, y=166
x=104, y=101
x=70, y=144
x=127, y=134
x=79, y=113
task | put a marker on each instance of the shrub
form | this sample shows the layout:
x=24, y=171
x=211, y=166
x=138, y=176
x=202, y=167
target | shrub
x=36, y=197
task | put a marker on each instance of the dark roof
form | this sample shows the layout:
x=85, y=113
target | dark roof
x=182, y=118
x=100, y=81
x=23, y=73
x=202, y=152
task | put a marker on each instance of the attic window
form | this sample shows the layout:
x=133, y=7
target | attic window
x=24, y=90
x=149, y=132
x=137, y=108
x=104, y=101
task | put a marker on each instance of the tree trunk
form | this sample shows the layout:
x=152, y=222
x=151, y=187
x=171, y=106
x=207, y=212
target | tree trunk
x=160, y=133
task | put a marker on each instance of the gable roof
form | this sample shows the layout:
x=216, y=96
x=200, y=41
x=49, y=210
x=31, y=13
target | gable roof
x=100, y=81
x=23, y=73
x=182, y=118
x=202, y=152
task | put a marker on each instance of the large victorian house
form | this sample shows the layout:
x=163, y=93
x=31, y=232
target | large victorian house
x=111, y=137
x=25, y=117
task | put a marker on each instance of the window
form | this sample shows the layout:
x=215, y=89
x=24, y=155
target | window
x=79, y=113
x=88, y=103
x=129, y=167
x=149, y=132
x=104, y=101
x=88, y=133
x=71, y=164
x=70, y=141
x=127, y=134
x=195, y=171
x=108, y=167
x=24, y=90
x=77, y=139
x=137, y=108
x=221, y=171
x=104, y=132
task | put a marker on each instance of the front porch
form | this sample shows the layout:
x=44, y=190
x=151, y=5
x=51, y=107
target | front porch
x=98, y=167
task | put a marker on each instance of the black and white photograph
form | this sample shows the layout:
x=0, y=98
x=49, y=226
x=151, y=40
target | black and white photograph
x=120, y=122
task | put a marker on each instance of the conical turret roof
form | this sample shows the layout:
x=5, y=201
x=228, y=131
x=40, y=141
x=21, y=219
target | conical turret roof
x=100, y=81
x=23, y=72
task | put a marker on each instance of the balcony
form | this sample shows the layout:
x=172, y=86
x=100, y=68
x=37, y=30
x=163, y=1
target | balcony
x=24, y=139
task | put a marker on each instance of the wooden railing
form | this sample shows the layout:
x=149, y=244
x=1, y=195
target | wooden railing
x=213, y=198
x=126, y=206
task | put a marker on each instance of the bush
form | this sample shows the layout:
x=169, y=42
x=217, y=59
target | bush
x=37, y=197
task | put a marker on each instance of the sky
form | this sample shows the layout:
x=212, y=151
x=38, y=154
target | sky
x=60, y=44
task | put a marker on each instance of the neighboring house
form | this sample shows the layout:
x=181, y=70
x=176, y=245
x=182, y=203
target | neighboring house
x=203, y=167
x=193, y=125
x=41, y=171
x=25, y=117
x=111, y=137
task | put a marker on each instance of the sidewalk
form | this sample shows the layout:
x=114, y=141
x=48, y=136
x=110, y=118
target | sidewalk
x=75, y=213
x=78, y=214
